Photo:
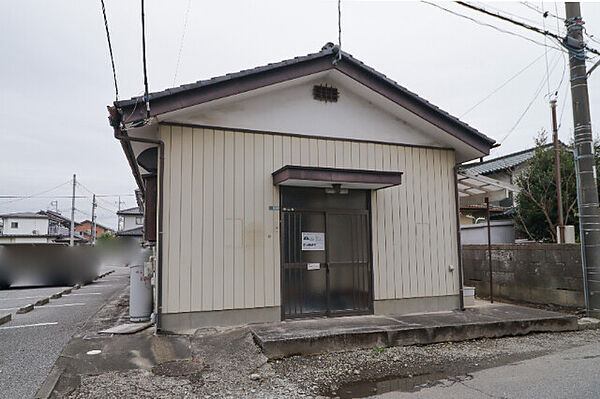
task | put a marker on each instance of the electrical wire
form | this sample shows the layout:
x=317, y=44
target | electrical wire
x=546, y=54
x=491, y=26
x=146, y=99
x=185, y=23
x=112, y=60
x=535, y=96
x=35, y=195
x=502, y=85
x=541, y=11
x=560, y=40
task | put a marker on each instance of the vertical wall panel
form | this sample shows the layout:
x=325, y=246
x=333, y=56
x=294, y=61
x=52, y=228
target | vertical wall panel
x=165, y=133
x=439, y=225
x=396, y=225
x=389, y=229
x=197, y=218
x=208, y=217
x=219, y=156
x=229, y=222
x=278, y=163
x=259, y=222
x=185, y=245
x=174, y=228
x=268, y=234
x=249, y=188
x=239, y=194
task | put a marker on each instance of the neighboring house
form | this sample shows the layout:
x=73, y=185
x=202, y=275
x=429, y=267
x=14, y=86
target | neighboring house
x=310, y=187
x=131, y=222
x=57, y=223
x=31, y=227
x=85, y=229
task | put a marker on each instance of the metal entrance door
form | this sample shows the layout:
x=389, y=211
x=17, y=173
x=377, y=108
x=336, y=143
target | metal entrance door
x=326, y=262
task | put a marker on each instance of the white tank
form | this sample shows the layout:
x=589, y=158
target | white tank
x=140, y=294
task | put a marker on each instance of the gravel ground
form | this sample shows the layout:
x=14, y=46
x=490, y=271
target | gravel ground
x=228, y=364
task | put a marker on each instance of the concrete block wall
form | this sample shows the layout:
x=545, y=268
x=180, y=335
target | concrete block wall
x=537, y=273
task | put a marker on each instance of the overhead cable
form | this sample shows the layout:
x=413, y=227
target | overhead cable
x=555, y=36
x=491, y=26
x=185, y=23
x=502, y=85
x=112, y=60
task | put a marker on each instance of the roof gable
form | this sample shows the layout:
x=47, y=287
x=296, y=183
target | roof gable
x=327, y=59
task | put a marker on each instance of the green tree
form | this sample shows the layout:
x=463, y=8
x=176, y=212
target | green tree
x=536, y=213
x=105, y=238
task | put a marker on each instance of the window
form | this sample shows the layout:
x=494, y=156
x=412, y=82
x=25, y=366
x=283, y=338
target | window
x=139, y=220
x=14, y=225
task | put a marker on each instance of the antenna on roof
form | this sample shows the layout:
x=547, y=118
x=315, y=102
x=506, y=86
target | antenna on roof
x=339, y=46
x=340, y=29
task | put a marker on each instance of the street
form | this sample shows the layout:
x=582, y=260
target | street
x=572, y=373
x=31, y=342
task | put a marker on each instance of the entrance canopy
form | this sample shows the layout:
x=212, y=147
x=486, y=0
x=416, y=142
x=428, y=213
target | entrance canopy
x=473, y=188
x=306, y=176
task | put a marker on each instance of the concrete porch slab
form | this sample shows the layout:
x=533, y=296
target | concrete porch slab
x=321, y=335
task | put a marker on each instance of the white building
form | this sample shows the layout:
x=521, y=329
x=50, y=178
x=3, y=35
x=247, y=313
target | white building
x=131, y=222
x=311, y=187
x=32, y=227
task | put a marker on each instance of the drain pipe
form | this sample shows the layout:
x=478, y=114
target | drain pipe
x=460, y=257
x=121, y=135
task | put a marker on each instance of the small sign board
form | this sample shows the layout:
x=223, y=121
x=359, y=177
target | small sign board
x=313, y=241
x=313, y=266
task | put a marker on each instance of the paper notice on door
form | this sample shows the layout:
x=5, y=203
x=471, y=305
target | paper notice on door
x=313, y=266
x=313, y=241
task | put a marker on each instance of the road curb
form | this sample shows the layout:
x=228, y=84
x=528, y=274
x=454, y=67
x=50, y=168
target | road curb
x=49, y=384
x=25, y=309
x=5, y=318
x=42, y=302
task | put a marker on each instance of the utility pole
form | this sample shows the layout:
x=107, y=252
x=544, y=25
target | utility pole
x=590, y=212
x=118, y=216
x=561, y=225
x=72, y=232
x=93, y=219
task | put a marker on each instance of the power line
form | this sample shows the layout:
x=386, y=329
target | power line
x=535, y=96
x=144, y=62
x=185, y=22
x=555, y=36
x=112, y=60
x=37, y=194
x=541, y=11
x=502, y=85
x=491, y=26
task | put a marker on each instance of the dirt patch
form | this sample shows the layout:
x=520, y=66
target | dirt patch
x=178, y=368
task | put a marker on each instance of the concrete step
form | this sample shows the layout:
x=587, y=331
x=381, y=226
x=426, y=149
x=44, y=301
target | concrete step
x=313, y=336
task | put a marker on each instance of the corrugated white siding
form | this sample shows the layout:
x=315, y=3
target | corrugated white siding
x=221, y=241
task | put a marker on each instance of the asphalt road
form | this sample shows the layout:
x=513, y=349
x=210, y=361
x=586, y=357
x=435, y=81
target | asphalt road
x=571, y=373
x=31, y=342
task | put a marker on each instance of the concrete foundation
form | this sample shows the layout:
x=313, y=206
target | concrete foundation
x=417, y=305
x=188, y=322
x=314, y=336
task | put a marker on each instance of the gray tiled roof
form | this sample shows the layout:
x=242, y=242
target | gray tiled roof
x=501, y=163
x=131, y=211
x=136, y=231
x=32, y=215
x=328, y=50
